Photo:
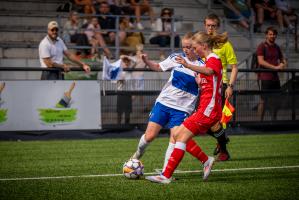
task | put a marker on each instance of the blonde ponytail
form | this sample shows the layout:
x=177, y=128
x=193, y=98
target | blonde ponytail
x=213, y=41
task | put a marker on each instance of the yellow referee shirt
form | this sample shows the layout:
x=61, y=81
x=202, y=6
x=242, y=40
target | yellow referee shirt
x=227, y=56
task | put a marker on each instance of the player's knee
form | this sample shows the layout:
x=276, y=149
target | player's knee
x=216, y=130
x=149, y=137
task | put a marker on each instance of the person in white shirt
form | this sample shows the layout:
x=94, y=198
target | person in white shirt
x=51, y=51
x=162, y=31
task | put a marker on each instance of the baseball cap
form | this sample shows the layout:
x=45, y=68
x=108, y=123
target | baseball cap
x=52, y=24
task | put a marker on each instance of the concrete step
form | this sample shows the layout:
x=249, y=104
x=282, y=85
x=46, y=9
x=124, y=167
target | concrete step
x=22, y=36
x=19, y=62
x=19, y=53
x=30, y=5
x=31, y=13
x=30, y=20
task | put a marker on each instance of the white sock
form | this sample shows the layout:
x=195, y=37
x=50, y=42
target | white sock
x=180, y=145
x=168, y=153
x=141, y=146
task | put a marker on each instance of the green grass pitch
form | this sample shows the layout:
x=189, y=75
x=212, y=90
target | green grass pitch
x=91, y=169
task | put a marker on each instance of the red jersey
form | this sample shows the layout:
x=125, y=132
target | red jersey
x=210, y=93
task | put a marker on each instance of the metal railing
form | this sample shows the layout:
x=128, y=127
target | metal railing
x=246, y=99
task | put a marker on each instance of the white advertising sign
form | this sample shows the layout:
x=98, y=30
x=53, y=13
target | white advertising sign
x=49, y=105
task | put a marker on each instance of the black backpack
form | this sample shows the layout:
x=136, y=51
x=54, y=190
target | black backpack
x=254, y=61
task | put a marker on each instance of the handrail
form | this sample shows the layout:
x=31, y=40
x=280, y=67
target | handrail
x=136, y=69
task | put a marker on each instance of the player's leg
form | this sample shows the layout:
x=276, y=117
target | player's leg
x=195, y=150
x=222, y=141
x=176, y=118
x=150, y=134
x=170, y=147
x=191, y=147
x=184, y=134
x=176, y=157
x=158, y=119
x=218, y=132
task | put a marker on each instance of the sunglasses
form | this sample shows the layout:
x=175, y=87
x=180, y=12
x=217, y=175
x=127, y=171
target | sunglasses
x=54, y=30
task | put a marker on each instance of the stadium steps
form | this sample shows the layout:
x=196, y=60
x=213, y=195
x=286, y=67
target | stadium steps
x=29, y=20
x=30, y=5
x=21, y=32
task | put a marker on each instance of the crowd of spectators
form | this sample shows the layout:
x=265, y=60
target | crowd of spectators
x=94, y=23
x=280, y=11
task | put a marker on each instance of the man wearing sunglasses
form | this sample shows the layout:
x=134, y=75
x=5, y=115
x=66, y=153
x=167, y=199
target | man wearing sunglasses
x=51, y=52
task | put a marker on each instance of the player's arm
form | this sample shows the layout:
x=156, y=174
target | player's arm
x=152, y=65
x=203, y=70
x=74, y=59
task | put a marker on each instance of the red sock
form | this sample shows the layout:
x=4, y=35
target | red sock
x=173, y=162
x=196, y=151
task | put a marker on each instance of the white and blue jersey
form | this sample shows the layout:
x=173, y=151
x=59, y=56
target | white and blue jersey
x=181, y=90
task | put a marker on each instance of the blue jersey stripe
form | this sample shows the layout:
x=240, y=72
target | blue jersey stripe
x=184, y=82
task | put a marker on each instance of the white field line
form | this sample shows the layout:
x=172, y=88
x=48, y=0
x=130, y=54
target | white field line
x=151, y=173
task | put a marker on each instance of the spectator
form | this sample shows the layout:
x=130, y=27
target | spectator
x=108, y=22
x=138, y=76
x=238, y=10
x=163, y=28
x=126, y=9
x=84, y=6
x=269, y=57
x=266, y=9
x=128, y=38
x=72, y=31
x=93, y=32
x=140, y=7
x=114, y=6
x=124, y=101
x=289, y=16
x=51, y=51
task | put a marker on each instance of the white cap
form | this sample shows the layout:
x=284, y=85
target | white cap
x=52, y=24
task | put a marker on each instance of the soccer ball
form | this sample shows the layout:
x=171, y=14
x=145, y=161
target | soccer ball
x=133, y=169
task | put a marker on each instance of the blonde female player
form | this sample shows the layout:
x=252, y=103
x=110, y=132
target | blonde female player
x=209, y=109
x=176, y=101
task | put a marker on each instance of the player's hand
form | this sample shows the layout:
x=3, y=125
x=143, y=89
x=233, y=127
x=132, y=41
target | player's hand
x=197, y=79
x=86, y=68
x=228, y=92
x=180, y=60
x=66, y=67
x=144, y=57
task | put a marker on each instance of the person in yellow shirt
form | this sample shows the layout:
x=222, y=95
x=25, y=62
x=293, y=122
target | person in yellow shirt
x=228, y=57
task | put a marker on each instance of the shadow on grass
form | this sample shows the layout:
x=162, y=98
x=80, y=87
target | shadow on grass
x=243, y=177
x=275, y=157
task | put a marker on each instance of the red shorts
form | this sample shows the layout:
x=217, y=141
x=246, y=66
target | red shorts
x=198, y=123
